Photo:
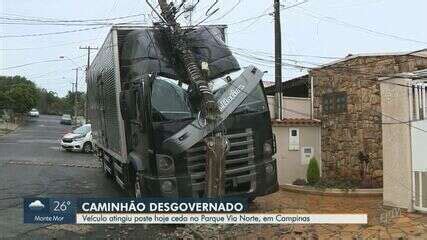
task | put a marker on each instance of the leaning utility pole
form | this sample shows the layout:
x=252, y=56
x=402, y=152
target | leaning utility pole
x=75, y=94
x=216, y=145
x=278, y=61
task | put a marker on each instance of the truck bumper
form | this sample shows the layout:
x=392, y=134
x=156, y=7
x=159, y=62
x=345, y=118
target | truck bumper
x=259, y=180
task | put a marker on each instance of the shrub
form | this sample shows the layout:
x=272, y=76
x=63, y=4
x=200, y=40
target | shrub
x=313, y=172
x=345, y=184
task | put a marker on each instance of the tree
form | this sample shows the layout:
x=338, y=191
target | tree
x=50, y=103
x=17, y=93
x=69, y=102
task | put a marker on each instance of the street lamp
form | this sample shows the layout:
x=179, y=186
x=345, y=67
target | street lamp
x=70, y=59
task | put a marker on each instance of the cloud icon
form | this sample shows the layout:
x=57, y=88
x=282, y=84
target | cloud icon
x=36, y=205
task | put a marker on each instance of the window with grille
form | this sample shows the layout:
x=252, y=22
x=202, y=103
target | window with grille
x=335, y=102
x=328, y=103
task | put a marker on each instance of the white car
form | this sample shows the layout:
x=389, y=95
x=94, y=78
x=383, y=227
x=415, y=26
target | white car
x=34, y=113
x=80, y=140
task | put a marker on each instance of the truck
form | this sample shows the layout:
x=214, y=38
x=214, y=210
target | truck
x=147, y=128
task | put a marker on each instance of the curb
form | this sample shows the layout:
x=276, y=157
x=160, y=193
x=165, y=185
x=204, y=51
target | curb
x=52, y=164
x=375, y=192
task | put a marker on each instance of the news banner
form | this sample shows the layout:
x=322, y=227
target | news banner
x=165, y=211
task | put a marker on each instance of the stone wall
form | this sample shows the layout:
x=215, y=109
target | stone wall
x=345, y=135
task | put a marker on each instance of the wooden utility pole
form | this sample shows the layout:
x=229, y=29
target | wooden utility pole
x=217, y=147
x=88, y=48
x=218, y=144
x=278, y=61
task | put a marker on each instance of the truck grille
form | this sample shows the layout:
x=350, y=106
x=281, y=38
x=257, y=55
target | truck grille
x=239, y=164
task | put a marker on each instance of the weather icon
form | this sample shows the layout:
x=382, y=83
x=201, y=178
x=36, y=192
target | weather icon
x=36, y=205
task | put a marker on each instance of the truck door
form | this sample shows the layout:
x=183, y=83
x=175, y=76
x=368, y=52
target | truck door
x=138, y=117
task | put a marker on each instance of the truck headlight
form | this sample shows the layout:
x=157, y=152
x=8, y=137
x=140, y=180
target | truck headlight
x=165, y=165
x=269, y=169
x=167, y=186
x=268, y=149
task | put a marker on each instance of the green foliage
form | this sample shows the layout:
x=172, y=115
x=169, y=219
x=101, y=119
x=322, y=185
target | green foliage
x=313, y=172
x=20, y=95
x=345, y=184
x=50, y=103
x=17, y=93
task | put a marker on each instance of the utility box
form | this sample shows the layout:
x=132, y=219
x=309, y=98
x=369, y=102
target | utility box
x=307, y=153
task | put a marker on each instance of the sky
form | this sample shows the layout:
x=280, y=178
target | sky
x=313, y=32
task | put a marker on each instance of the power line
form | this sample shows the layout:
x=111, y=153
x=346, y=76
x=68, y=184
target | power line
x=285, y=54
x=254, y=21
x=46, y=47
x=342, y=23
x=228, y=12
x=53, y=20
x=297, y=112
x=51, y=33
x=339, y=69
x=68, y=24
x=33, y=63
x=248, y=19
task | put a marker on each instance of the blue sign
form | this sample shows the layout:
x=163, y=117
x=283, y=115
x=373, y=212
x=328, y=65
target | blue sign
x=161, y=205
x=50, y=210
x=64, y=210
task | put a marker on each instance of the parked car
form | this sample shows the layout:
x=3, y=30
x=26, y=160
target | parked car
x=80, y=140
x=66, y=119
x=34, y=113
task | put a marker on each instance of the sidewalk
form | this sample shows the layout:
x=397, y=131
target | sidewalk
x=403, y=226
x=6, y=128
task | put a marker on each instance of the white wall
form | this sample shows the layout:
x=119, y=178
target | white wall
x=397, y=189
x=289, y=163
x=292, y=107
x=419, y=146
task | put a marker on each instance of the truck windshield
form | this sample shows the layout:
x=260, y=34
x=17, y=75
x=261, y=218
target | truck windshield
x=170, y=102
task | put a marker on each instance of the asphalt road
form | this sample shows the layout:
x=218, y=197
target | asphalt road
x=33, y=165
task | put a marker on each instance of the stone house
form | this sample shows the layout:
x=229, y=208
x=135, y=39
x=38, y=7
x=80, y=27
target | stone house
x=347, y=101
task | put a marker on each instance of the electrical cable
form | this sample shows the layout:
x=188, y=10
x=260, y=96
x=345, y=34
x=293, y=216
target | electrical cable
x=38, y=62
x=51, y=33
x=38, y=19
x=342, y=23
x=402, y=122
x=46, y=47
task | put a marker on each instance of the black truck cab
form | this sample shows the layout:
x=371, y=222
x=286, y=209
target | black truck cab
x=157, y=108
